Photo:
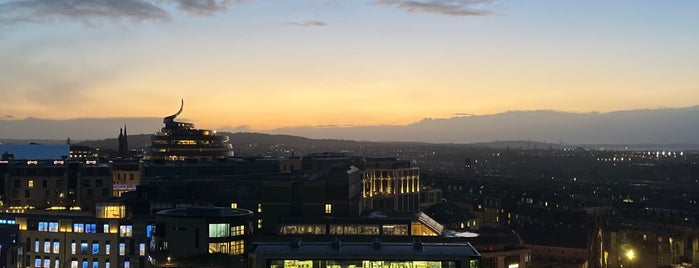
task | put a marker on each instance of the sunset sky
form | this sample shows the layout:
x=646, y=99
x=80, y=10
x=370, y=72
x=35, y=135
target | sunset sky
x=266, y=64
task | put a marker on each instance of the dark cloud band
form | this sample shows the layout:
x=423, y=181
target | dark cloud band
x=16, y=11
x=443, y=7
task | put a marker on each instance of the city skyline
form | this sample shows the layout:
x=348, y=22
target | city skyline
x=269, y=64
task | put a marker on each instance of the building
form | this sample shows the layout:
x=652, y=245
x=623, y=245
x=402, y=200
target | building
x=376, y=254
x=126, y=175
x=179, y=141
x=391, y=185
x=73, y=239
x=51, y=183
x=195, y=236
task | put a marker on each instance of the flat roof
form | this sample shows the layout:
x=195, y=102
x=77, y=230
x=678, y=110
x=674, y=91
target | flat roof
x=204, y=212
x=36, y=151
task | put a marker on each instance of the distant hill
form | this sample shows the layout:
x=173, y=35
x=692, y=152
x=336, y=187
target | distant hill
x=659, y=126
x=75, y=129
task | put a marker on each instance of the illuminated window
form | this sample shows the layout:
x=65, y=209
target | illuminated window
x=122, y=249
x=105, y=227
x=47, y=263
x=125, y=231
x=53, y=227
x=85, y=264
x=31, y=184
x=142, y=249
x=43, y=226
x=234, y=205
x=259, y=224
x=259, y=208
x=36, y=246
x=237, y=230
x=95, y=248
x=47, y=246
x=56, y=247
x=219, y=230
x=56, y=264
x=78, y=228
x=328, y=208
x=95, y=264
x=106, y=264
x=91, y=228
x=83, y=248
x=73, y=264
x=230, y=248
x=107, y=248
x=73, y=249
x=150, y=229
x=127, y=264
x=37, y=263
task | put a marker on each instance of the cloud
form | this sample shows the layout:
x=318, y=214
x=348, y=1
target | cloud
x=204, y=7
x=306, y=23
x=22, y=11
x=9, y=116
x=443, y=7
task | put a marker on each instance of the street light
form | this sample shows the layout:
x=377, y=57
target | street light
x=630, y=254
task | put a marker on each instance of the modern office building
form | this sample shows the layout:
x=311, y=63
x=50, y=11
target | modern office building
x=78, y=239
x=375, y=254
x=201, y=236
x=179, y=141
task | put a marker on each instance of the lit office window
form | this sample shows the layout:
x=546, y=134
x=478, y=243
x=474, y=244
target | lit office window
x=43, y=226
x=95, y=248
x=142, y=249
x=106, y=264
x=47, y=263
x=36, y=246
x=328, y=208
x=86, y=264
x=259, y=224
x=259, y=208
x=95, y=264
x=127, y=264
x=219, y=229
x=73, y=248
x=53, y=227
x=78, y=228
x=107, y=248
x=122, y=249
x=56, y=264
x=105, y=227
x=83, y=248
x=91, y=228
x=31, y=184
x=73, y=264
x=37, y=263
x=237, y=230
x=56, y=247
x=150, y=229
x=125, y=231
x=234, y=205
x=47, y=246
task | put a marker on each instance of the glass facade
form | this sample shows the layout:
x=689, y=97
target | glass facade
x=360, y=264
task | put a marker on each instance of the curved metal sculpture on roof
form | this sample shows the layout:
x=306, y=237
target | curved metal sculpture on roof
x=170, y=120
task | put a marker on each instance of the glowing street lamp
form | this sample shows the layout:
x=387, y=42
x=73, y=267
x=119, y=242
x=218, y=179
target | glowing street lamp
x=630, y=254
